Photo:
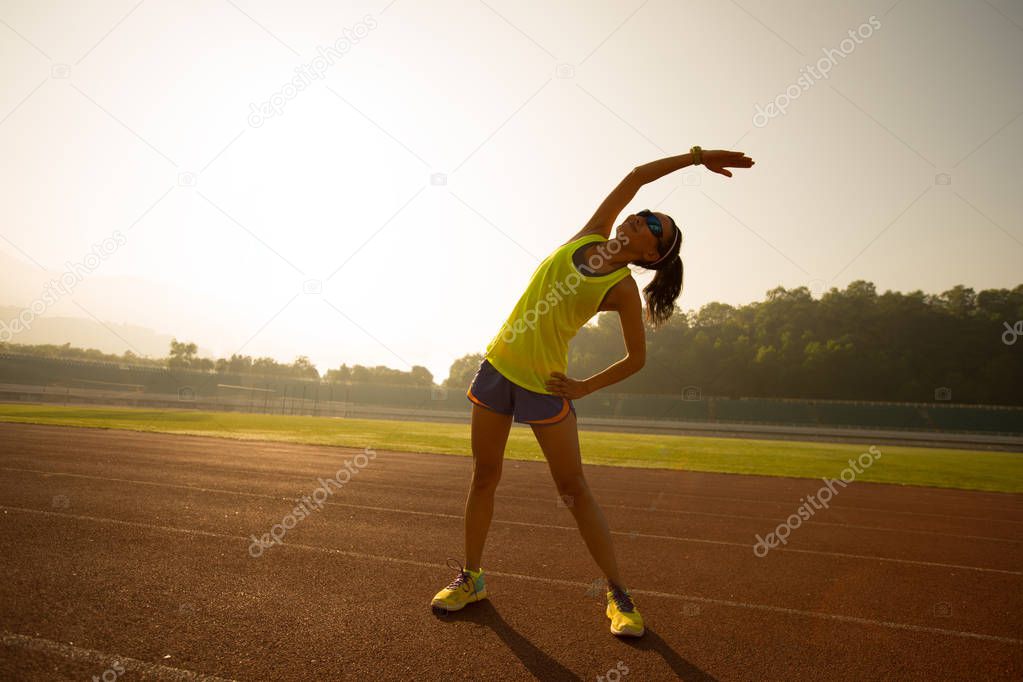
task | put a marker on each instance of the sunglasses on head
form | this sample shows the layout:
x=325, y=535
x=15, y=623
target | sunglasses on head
x=653, y=222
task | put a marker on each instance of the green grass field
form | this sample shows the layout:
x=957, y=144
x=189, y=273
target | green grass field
x=968, y=469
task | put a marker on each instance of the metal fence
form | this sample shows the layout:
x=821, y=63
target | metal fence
x=54, y=380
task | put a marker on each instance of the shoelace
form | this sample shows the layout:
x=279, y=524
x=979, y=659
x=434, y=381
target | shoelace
x=622, y=600
x=463, y=577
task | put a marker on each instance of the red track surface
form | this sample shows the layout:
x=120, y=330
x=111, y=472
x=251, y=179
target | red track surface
x=134, y=547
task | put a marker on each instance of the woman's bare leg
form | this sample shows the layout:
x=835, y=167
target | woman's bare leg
x=560, y=445
x=489, y=437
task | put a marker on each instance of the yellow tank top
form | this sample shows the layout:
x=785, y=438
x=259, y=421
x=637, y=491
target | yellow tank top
x=558, y=301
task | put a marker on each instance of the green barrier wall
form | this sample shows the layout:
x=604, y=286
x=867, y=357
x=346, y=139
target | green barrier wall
x=278, y=394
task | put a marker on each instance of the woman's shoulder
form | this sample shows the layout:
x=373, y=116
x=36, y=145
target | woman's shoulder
x=584, y=238
x=574, y=249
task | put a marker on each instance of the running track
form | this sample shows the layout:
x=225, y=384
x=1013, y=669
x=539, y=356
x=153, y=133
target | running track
x=130, y=547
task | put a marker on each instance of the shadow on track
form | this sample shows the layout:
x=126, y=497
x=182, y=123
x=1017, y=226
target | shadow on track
x=536, y=661
x=544, y=667
x=685, y=670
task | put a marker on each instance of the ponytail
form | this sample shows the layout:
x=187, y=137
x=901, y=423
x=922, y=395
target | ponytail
x=661, y=292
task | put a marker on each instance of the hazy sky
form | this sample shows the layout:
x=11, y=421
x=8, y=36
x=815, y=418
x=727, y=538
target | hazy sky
x=901, y=166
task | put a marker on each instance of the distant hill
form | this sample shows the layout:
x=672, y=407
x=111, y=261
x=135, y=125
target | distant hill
x=22, y=282
x=87, y=333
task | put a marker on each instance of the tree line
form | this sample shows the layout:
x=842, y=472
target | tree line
x=848, y=344
x=183, y=355
x=851, y=344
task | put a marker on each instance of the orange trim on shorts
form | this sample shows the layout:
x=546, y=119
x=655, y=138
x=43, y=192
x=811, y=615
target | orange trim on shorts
x=470, y=396
x=556, y=418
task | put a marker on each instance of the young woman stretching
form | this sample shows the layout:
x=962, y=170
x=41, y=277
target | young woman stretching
x=522, y=375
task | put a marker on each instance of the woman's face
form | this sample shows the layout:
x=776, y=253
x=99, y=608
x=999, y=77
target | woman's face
x=641, y=240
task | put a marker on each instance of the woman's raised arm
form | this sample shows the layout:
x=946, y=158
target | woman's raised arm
x=603, y=220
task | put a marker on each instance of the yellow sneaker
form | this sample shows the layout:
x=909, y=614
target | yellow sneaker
x=625, y=617
x=466, y=588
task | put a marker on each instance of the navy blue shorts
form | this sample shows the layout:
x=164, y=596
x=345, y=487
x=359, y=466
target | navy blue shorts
x=492, y=390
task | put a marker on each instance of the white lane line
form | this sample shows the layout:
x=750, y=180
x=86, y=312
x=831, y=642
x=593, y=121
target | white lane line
x=851, y=508
x=527, y=524
x=98, y=658
x=533, y=578
x=746, y=546
x=608, y=505
x=777, y=503
x=762, y=519
x=959, y=493
x=916, y=531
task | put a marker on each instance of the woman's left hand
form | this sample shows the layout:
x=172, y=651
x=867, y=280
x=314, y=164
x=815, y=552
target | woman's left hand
x=719, y=160
x=561, y=385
